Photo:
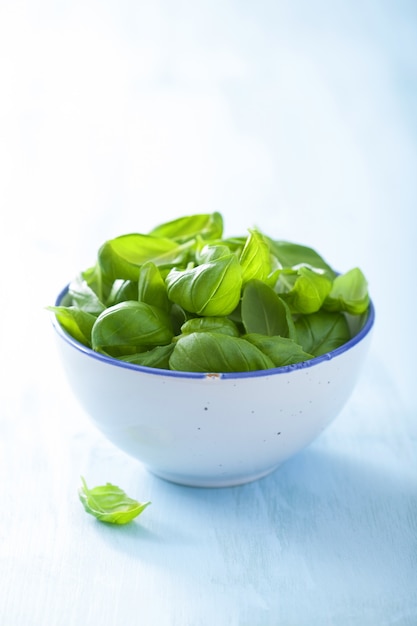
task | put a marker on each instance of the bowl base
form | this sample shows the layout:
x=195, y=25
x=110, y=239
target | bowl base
x=212, y=482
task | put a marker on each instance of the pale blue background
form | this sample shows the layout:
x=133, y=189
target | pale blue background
x=298, y=117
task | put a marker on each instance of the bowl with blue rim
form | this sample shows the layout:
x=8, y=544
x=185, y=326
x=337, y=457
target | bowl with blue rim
x=212, y=359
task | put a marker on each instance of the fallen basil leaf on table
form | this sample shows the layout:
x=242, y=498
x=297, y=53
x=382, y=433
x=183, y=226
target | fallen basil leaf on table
x=110, y=504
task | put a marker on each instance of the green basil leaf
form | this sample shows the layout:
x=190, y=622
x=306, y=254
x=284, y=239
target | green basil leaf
x=322, y=332
x=209, y=289
x=284, y=280
x=212, y=253
x=204, y=225
x=255, y=259
x=281, y=350
x=236, y=317
x=293, y=255
x=152, y=288
x=156, y=357
x=178, y=318
x=235, y=244
x=75, y=322
x=148, y=291
x=216, y=352
x=94, y=279
x=123, y=256
x=349, y=293
x=131, y=324
x=121, y=291
x=210, y=324
x=110, y=504
x=264, y=312
x=309, y=291
x=84, y=297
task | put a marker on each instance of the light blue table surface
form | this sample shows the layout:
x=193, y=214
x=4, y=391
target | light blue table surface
x=298, y=117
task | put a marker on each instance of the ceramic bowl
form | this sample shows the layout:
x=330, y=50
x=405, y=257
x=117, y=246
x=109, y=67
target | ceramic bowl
x=212, y=430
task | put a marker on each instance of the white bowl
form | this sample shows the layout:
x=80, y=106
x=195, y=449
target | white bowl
x=213, y=430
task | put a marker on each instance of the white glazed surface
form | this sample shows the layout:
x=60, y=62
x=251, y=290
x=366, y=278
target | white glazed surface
x=210, y=430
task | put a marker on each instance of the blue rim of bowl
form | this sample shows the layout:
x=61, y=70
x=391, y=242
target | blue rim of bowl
x=285, y=369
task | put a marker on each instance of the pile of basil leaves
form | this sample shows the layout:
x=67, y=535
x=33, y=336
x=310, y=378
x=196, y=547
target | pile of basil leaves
x=183, y=297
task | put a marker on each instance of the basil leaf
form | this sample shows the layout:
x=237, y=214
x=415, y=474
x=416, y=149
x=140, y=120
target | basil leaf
x=94, y=279
x=156, y=357
x=122, y=290
x=283, y=280
x=84, y=297
x=178, y=318
x=255, y=257
x=210, y=324
x=75, y=322
x=308, y=292
x=152, y=288
x=110, y=504
x=123, y=256
x=149, y=293
x=204, y=225
x=264, y=312
x=216, y=352
x=131, y=324
x=322, y=332
x=349, y=293
x=235, y=244
x=281, y=350
x=212, y=253
x=209, y=289
x=293, y=255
